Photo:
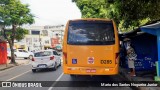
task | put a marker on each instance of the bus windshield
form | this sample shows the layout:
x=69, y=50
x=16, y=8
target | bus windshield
x=91, y=33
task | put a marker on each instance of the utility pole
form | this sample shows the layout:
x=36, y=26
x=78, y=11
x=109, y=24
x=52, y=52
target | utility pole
x=40, y=40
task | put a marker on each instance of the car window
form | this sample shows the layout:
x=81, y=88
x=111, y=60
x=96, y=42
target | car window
x=55, y=53
x=42, y=54
x=20, y=50
x=47, y=53
x=24, y=51
x=38, y=54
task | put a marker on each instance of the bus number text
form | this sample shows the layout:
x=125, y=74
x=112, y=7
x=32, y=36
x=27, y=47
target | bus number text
x=106, y=61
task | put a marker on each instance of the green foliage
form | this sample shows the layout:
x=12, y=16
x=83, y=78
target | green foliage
x=92, y=9
x=128, y=14
x=14, y=14
x=19, y=34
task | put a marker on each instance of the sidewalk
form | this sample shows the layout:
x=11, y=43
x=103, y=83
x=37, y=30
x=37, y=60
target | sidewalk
x=19, y=62
x=140, y=76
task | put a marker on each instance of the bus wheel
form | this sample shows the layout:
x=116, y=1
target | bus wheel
x=72, y=75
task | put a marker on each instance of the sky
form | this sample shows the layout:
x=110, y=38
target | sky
x=52, y=12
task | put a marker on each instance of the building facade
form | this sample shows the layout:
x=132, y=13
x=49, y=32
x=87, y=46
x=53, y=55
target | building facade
x=42, y=37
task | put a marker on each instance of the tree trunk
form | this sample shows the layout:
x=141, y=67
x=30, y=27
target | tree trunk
x=11, y=43
x=12, y=52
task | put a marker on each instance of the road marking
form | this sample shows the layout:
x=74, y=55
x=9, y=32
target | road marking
x=50, y=88
x=18, y=75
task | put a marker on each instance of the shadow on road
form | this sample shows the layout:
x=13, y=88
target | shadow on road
x=45, y=70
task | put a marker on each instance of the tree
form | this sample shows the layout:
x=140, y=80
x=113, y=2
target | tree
x=19, y=34
x=14, y=14
x=128, y=14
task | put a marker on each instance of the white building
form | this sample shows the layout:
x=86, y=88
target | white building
x=57, y=31
x=40, y=37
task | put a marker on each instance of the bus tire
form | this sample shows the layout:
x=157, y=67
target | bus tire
x=71, y=75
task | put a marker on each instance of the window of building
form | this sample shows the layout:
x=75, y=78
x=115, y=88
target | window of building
x=45, y=32
x=46, y=41
x=35, y=39
x=34, y=32
x=29, y=41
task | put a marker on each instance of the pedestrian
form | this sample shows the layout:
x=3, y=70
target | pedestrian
x=131, y=56
x=122, y=55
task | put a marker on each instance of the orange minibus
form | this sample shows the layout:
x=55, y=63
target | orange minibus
x=91, y=47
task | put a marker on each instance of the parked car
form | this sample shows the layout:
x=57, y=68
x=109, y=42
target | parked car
x=46, y=59
x=20, y=53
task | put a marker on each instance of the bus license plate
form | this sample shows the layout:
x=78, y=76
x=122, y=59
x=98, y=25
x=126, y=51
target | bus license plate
x=90, y=70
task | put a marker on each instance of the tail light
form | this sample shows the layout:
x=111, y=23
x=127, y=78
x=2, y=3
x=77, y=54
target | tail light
x=33, y=59
x=117, y=58
x=65, y=57
x=52, y=58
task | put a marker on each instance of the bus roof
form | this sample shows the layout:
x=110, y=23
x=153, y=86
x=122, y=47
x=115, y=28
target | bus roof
x=91, y=19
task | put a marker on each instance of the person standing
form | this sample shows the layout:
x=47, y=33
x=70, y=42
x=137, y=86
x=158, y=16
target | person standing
x=131, y=56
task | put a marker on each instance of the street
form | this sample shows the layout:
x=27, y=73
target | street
x=102, y=44
x=24, y=73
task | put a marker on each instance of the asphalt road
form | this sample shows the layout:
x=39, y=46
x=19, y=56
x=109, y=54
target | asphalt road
x=24, y=73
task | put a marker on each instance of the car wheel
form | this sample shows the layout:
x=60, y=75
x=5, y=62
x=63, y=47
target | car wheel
x=55, y=67
x=30, y=57
x=33, y=70
x=9, y=58
x=15, y=56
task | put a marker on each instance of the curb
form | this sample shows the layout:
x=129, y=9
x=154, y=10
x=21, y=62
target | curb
x=8, y=66
x=124, y=73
